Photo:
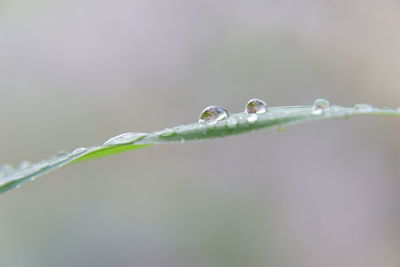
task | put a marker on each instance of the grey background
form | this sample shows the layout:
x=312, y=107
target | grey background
x=74, y=73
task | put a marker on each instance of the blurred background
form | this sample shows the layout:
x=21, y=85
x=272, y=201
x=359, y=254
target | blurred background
x=74, y=73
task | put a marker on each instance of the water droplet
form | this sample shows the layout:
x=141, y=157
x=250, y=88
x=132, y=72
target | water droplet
x=320, y=105
x=256, y=106
x=61, y=153
x=167, y=133
x=79, y=151
x=124, y=138
x=213, y=114
x=6, y=169
x=24, y=165
x=232, y=123
x=252, y=118
x=389, y=109
x=363, y=107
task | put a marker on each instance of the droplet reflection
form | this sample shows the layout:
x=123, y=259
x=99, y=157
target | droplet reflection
x=213, y=114
x=320, y=105
x=256, y=106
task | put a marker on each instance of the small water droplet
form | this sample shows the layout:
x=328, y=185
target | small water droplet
x=364, y=107
x=256, y=106
x=61, y=153
x=24, y=165
x=320, y=105
x=124, y=138
x=78, y=151
x=389, y=109
x=252, y=118
x=6, y=169
x=213, y=114
x=232, y=123
x=167, y=133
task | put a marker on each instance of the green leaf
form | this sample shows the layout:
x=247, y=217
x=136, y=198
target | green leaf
x=238, y=123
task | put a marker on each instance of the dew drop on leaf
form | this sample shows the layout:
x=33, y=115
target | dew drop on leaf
x=213, y=114
x=320, y=105
x=256, y=106
x=24, y=165
x=61, y=153
x=124, y=138
x=364, y=107
x=5, y=170
x=388, y=109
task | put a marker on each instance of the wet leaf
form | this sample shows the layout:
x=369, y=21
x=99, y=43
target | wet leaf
x=274, y=117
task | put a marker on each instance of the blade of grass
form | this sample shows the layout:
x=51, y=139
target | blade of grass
x=236, y=124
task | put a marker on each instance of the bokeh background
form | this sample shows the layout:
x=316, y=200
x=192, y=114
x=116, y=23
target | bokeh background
x=74, y=73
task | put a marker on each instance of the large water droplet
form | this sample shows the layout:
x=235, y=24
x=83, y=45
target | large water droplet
x=213, y=114
x=252, y=118
x=256, y=106
x=320, y=105
x=124, y=138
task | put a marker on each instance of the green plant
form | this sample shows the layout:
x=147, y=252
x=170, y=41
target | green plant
x=214, y=122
